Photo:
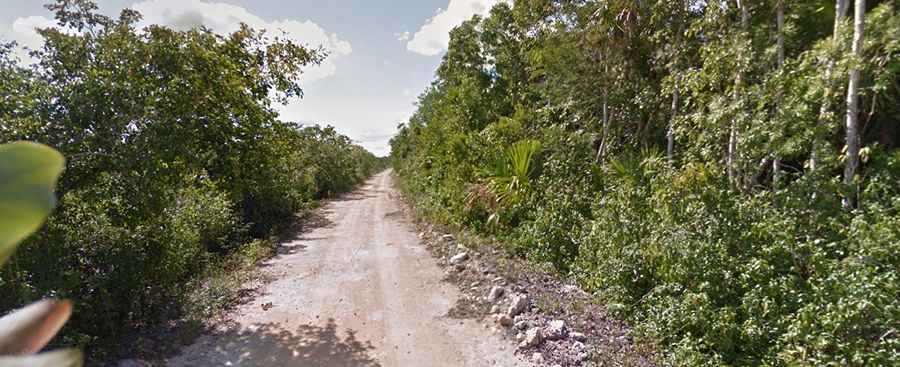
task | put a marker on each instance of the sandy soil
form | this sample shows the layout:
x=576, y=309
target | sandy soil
x=357, y=290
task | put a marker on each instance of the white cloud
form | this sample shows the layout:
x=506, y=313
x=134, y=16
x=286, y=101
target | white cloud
x=402, y=36
x=220, y=17
x=24, y=32
x=226, y=18
x=434, y=36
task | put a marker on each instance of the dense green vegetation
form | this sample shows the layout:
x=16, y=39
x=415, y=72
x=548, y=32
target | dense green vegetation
x=177, y=163
x=722, y=174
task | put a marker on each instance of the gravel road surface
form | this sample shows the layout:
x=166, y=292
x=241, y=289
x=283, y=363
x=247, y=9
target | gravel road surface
x=357, y=289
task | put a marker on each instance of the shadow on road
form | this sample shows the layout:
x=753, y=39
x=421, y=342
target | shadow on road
x=360, y=194
x=312, y=220
x=290, y=241
x=309, y=346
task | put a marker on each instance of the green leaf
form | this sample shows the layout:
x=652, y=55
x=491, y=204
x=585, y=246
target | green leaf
x=520, y=157
x=28, y=173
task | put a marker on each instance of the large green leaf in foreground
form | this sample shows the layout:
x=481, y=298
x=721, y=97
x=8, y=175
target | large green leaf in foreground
x=28, y=173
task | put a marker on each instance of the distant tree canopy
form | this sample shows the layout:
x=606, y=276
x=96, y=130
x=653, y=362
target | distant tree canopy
x=176, y=159
x=724, y=172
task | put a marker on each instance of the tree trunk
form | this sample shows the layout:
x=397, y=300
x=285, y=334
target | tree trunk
x=734, y=134
x=859, y=20
x=840, y=12
x=779, y=46
x=676, y=94
x=602, y=150
x=670, y=134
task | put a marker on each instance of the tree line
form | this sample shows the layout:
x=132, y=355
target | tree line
x=722, y=174
x=177, y=162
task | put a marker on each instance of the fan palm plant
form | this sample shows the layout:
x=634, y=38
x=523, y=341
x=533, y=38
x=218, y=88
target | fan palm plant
x=510, y=178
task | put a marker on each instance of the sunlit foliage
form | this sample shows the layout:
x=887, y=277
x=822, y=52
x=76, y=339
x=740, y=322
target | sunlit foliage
x=176, y=160
x=712, y=259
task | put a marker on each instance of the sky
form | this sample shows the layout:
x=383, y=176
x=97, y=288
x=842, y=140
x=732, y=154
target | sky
x=382, y=53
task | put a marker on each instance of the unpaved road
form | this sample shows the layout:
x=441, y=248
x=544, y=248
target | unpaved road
x=358, y=290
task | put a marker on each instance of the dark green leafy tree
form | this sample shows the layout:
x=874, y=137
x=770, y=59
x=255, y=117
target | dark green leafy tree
x=176, y=161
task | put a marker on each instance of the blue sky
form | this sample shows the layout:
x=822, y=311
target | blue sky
x=383, y=53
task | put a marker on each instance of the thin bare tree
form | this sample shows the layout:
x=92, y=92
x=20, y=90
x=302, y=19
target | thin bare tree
x=734, y=134
x=852, y=164
x=840, y=12
x=779, y=48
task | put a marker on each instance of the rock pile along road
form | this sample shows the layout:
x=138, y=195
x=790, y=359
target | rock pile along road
x=356, y=288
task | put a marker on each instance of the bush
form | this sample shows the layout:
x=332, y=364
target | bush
x=734, y=248
x=715, y=276
x=854, y=311
x=122, y=273
x=850, y=320
x=177, y=164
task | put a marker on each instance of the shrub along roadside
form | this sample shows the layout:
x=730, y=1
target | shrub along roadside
x=713, y=276
x=733, y=248
x=177, y=163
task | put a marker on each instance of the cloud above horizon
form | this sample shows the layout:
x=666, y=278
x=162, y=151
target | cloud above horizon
x=434, y=36
x=226, y=18
x=219, y=17
x=367, y=85
x=24, y=32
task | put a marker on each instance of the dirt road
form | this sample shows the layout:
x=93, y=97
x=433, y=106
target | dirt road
x=357, y=290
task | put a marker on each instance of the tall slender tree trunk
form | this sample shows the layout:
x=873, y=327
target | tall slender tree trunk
x=779, y=46
x=604, y=137
x=603, y=142
x=676, y=94
x=670, y=134
x=734, y=134
x=859, y=21
x=840, y=12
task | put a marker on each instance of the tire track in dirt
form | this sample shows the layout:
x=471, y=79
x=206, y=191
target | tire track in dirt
x=357, y=290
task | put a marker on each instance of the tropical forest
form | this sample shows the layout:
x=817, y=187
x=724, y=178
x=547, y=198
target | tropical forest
x=724, y=175
x=573, y=183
